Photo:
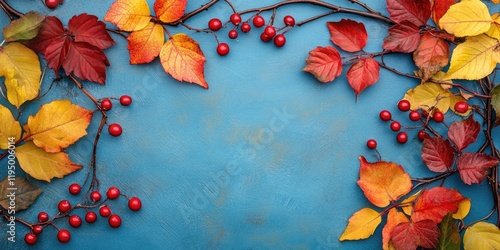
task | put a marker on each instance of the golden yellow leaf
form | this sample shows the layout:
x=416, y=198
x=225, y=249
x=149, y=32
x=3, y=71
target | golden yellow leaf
x=57, y=125
x=466, y=18
x=362, y=225
x=482, y=236
x=439, y=78
x=9, y=128
x=42, y=165
x=428, y=95
x=494, y=30
x=21, y=68
x=129, y=15
x=463, y=210
x=474, y=59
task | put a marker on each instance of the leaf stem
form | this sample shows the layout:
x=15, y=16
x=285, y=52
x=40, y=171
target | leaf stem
x=11, y=12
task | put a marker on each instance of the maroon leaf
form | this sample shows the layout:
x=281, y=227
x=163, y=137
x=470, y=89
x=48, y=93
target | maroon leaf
x=403, y=37
x=410, y=235
x=52, y=28
x=413, y=11
x=463, y=133
x=473, y=167
x=349, y=35
x=362, y=74
x=324, y=63
x=437, y=154
x=87, y=28
x=86, y=61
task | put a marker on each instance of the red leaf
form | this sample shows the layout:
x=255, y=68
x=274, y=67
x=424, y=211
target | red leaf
x=56, y=52
x=410, y=235
x=324, y=63
x=403, y=37
x=473, y=167
x=432, y=54
x=86, y=61
x=52, y=28
x=413, y=11
x=463, y=133
x=437, y=154
x=439, y=8
x=435, y=203
x=349, y=35
x=363, y=74
x=87, y=28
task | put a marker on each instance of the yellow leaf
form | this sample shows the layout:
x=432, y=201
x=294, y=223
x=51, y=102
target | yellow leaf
x=57, y=125
x=169, y=10
x=145, y=45
x=129, y=15
x=482, y=236
x=474, y=59
x=9, y=128
x=362, y=225
x=439, y=78
x=42, y=165
x=466, y=18
x=494, y=30
x=21, y=68
x=463, y=210
x=428, y=95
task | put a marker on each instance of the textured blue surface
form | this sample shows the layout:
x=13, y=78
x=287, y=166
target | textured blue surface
x=267, y=158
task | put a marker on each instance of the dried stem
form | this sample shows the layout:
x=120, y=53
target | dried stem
x=11, y=12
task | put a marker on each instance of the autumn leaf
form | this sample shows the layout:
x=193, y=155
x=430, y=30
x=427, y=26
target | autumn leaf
x=42, y=165
x=86, y=61
x=363, y=74
x=169, y=10
x=416, y=12
x=466, y=18
x=403, y=37
x=58, y=125
x=463, y=133
x=21, y=68
x=495, y=102
x=24, y=28
x=463, y=210
x=435, y=203
x=362, y=225
x=450, y=238
x=394, y=218
x=482, y=235
x=410, y=235
x=407, y=204
x=51, y=30
x=87, y=28
x=145, y=45
x=129, y=15
x=473, y=167
x=439, y=8
x=437, y=154
x=23, y=192
x=349, y=35
x=428, y=95
x=383, y=182
x=9, y=128
x=494, y=30
x=431, y=55
x=324, y=63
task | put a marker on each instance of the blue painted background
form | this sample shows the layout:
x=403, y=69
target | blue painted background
x=267, y=158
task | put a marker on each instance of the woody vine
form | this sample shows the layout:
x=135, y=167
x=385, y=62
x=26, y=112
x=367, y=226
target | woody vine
x=447, y=40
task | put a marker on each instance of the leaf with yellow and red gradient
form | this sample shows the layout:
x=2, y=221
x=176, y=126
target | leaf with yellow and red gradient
x=403, y=37
x=324, y=63
x=88, y=28
x=435, y=203
x=129, y=15
x=439, y=8
x=182, y=58
x=437, y=154
x=145, y=45
x=394, y=218
x=363, y=74
x=431, y=55
x=413, y=11
x=169, y=10
x=473, y=167
x=463, y=133
x=349, y=35
x=410, y=235
x=383, y=182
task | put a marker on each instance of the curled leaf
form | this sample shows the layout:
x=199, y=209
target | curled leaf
x=21, y=190
x=362, y=225
x=349, y=35
x=9, y=128
x=324, y=63
x=24, y=28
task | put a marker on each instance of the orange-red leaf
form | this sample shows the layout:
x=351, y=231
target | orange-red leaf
x=463, y=133
x=87, y=28
x=324, y=63
x=349, y=35
x=439, y=8
x=410, y=235
x=413, y=11
x=170, y=10
x=394, y=218
x=432, y=54
x=129, y=15
x=403, y=37
x=145, y=45
x=363, y=74
x=473, y=167
x=437, y=154
x=435, y=203
x=182, y=58
x=383, y=182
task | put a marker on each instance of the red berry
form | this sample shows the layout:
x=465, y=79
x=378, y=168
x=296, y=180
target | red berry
x=395, y=126
x=422, y=135
x=114, y=221
x=265, y=38
x=95, y=196
x=214, y=24
x=115, y=129
x=90, y=217
x=404, y=105
x=104, y=211
x=113, y=193
x=461, y=107
x=402, y=137
x=414, y=116
x=43, y=217
x=279, y=40
x=75, y=221
x=289, y=20
x=106, y=104
x=37, y=229
x=63, y=236
x=64, y=206
x=222, y=49
x=74, y=189
x=371, y=144
x=438, y=116
x=425, y=114
x=134, y=204
x=245, y=27
x=235, y=19
x=258, y=21
x=385, y=115
x=52, y=3
x=125, y=100
x=233, y=34
x=270, y=31
x=30, y=238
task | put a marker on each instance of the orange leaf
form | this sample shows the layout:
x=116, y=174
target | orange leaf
x=362, y=225
x=363, y=74
x=145, y=45
x=435, y=203
x=170, y=10
x=129, y=15
x=383, y=182
x=393, y=219
x=182, y=58
x=432, y=54
x=324, y=63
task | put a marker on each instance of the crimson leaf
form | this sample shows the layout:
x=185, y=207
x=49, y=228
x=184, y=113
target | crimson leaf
x=437, y=154
x=410, y=235
x=463, y=133
x=87, y=28
x=349, y=35
x=413, y=11
x=403, y=37
x=473, y=167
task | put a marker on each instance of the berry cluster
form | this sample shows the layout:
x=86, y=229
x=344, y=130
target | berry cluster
x=106, y=105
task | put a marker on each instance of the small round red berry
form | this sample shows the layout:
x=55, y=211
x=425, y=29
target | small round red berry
x=64, y=206
x=233, y=34
x=385, y=115
x=402, y=137
x=289, y=20
x=422, y=135
x=63, y=236
x=115, y=129
x=438, y=116
x=222, y=49
x=395, y=126
x=258, y=21
x=74, y=189
x=265, y=38
x=125, y=100
x=104, y=211
x=461, y=107
x=113, y=193
x=90, y=217
x=414, y=116
x=235, y=18
x=37, y=229
x=404, y=105
x=279, y=40
x=245, y=27
x=134, y=204
x=270, y=31
x=75, y=221
x=52, y=3
x=95, y=196
x=43, y=217
x=114, y=221
x=425, y=113
x=371, y=144
x=214, y=24
x=30, y=238
x=106, y=104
